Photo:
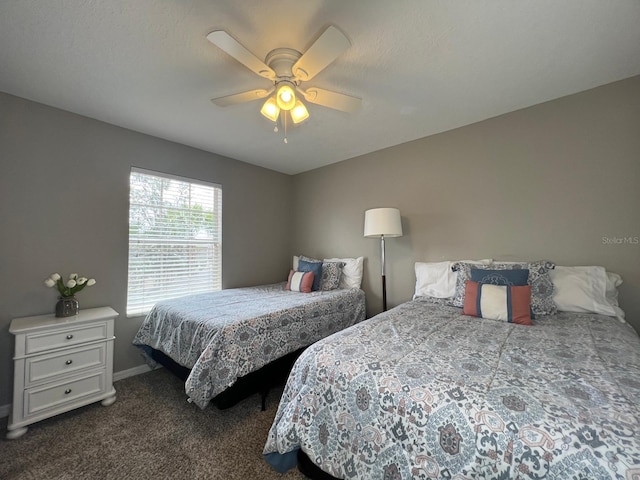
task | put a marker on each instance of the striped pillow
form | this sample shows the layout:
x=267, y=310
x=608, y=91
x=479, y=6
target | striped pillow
x=498, y=302
x=299, y=281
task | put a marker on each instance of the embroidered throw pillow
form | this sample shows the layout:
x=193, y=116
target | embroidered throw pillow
x=511, y=278
x=299, y=281
x=331, y=274
x=498, y=302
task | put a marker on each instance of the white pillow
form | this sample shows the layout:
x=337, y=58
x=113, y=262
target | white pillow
x=582, y=289
x=435, y=279
x=351, y=272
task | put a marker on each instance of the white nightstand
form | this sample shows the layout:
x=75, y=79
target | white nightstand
x=61, y=364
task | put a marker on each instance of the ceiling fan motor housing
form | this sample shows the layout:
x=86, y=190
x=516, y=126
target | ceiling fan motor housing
x=281, y=61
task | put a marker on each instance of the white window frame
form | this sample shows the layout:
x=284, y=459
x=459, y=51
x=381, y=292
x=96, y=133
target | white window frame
x=171, y=263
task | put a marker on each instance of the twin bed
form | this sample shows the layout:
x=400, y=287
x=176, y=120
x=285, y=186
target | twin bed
x=423, y=390
x=217, y=340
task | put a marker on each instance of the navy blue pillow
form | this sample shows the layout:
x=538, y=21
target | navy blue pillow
x=316, y=268
x=512, y=277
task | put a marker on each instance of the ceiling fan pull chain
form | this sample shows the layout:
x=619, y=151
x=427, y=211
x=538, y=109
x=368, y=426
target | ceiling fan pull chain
x=275, y=126
x=285, y=127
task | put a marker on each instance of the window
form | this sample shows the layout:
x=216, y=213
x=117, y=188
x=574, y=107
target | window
x=175, y=239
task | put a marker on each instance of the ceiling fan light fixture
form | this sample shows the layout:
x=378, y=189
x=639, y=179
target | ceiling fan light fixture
x=299, y=113
x=285, y=95
x=270, y=109
x=287, y=68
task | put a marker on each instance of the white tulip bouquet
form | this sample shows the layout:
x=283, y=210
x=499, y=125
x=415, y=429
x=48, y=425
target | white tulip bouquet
x=71, y=287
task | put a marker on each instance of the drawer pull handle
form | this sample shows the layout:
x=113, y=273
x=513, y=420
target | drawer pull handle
x=67, y=391
x=68, y=362
x=69, y=337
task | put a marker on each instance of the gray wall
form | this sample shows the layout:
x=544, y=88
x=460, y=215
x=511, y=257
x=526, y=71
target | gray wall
x=548, y=181
x=64, y=193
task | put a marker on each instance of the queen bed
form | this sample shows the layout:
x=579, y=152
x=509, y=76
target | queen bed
x=217, y=338
x=427, y=391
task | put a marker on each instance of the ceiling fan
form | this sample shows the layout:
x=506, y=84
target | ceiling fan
x=288, y=69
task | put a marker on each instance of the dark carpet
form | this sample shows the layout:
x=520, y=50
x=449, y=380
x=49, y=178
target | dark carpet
x=150, y=432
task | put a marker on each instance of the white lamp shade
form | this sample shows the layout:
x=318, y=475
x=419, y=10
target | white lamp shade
x=382, y=221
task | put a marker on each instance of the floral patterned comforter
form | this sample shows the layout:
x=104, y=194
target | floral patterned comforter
x=224, y=335
x=425, y=392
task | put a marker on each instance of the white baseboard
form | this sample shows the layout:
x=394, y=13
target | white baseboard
x=122, y=374
x=5, y=410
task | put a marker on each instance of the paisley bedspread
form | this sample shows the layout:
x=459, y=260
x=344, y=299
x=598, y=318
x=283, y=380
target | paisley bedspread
x=224, y=335
x=424, y=392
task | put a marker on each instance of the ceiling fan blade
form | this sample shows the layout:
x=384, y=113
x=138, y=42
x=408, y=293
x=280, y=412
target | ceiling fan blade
x=241, y=97
x=327, y=98
x=230, y=45
x=324, y=50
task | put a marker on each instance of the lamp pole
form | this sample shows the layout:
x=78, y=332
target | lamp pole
x=384, y=278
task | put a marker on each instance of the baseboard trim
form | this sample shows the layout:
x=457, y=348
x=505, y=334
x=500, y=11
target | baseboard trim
x=5, y=410
x=131, y=372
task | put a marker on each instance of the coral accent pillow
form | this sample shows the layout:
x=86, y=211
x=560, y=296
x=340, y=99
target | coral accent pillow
x=498, y=302
x=300, y=281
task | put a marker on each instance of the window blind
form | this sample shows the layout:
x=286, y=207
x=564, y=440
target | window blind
x=175, y=239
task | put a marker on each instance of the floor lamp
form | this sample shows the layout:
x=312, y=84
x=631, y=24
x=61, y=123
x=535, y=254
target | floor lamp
x=382, y=222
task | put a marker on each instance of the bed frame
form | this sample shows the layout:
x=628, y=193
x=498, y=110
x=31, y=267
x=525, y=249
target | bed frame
x=309, y=469
x=261, y=381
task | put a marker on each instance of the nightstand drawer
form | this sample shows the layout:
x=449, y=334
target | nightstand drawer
x=39, y=342
x=49, y=396
x=49, y=367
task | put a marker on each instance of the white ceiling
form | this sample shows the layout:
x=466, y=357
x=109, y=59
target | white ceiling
x=420, y=66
